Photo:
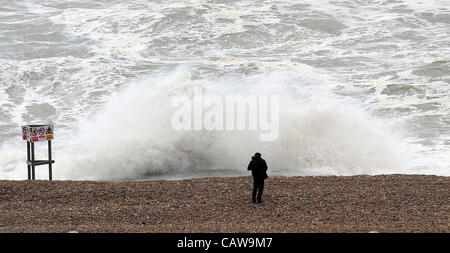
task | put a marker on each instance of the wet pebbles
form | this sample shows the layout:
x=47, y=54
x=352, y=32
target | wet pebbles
x=386, y=203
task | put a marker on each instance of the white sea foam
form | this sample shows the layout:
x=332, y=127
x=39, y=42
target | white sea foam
x=132, y=137
x=364, y=87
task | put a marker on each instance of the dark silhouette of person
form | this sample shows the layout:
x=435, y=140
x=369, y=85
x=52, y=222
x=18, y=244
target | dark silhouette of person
x=258, y=166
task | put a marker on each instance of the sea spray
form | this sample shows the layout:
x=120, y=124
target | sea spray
x=363, y=87
x=132, y=136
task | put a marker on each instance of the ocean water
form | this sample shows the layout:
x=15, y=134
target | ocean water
x=363, y=85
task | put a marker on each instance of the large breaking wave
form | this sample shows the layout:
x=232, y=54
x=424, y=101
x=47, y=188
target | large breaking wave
x=363, y=88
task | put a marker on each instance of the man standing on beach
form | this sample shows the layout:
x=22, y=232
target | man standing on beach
x=258, y=167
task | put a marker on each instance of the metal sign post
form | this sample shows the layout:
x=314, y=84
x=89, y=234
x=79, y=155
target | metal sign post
x=32, y=134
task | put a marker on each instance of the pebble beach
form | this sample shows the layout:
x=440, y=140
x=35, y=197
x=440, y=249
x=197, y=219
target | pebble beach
x=324, y=204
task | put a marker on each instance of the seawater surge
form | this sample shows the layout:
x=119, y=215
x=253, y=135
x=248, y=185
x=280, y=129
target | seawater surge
x=363, y=88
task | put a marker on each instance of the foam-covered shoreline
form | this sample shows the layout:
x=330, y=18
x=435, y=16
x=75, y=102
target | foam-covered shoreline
x=384, y=203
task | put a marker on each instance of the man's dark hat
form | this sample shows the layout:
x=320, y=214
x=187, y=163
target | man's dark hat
x=257, y=154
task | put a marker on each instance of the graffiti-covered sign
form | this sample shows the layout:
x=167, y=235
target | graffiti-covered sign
x=25, y=132
x=36, y=133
